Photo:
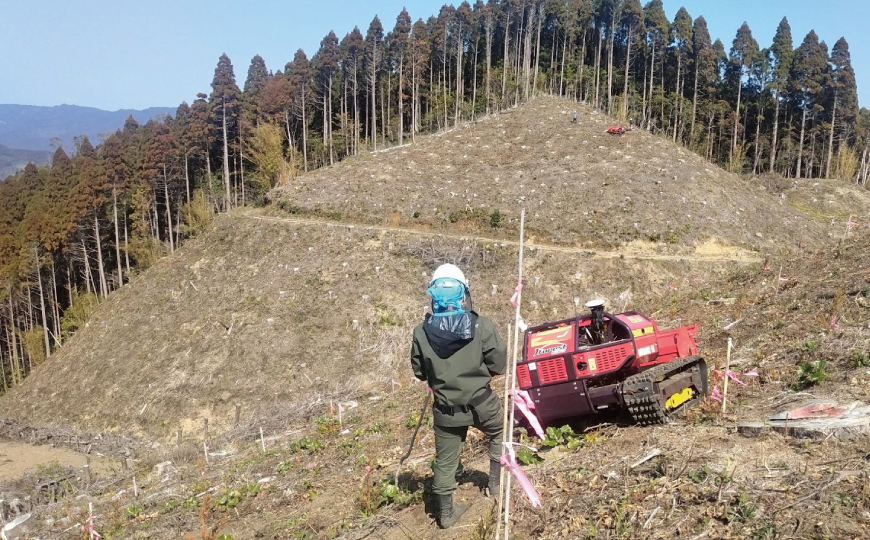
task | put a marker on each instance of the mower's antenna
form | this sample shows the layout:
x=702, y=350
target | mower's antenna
x=574, y=299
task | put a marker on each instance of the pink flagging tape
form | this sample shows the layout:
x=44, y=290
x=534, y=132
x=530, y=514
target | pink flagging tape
x=89, y=530
x=515, y=299
x=731, y=375
x=734, y=376
x=508, y=461
x=523, y=402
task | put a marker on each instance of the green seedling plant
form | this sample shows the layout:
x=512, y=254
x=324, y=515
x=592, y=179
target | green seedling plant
x=744, y=511
x=230, y=499
x=375, y=496
x=133, y=511
x=810, y=346
x=565, y=437
x=305, y=444
x=767, y=530
x=811, y=374
x=700, y=475
x=859, y=359
x=527, y=457
x=328, y=424
x=412, y=420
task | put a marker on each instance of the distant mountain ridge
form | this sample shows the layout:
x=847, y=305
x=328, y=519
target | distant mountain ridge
x=30, y=127
x=13, y=160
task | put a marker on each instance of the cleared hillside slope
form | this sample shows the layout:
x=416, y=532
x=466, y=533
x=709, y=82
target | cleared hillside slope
x=288, y=314
x=581, y=186
x=275, y=315
x=708, y=480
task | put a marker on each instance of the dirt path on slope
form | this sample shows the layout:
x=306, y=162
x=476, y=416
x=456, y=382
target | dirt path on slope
x=634, y=250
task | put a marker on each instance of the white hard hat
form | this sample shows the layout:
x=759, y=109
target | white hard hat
x=449, y=271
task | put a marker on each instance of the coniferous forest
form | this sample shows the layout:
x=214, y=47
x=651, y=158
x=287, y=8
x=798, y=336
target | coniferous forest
x=74, y=231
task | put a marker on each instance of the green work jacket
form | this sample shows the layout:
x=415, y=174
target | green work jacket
x=459, y=370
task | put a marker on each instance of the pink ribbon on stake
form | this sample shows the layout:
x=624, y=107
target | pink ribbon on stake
x=508, y=461
x=734, y=376
x=523, y=402
x=515, y=299
x=715, y=394
x=89, y=530
x=730, y=374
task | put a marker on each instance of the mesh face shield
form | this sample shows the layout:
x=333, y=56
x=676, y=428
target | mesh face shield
x=451, y=307
x=448, y=296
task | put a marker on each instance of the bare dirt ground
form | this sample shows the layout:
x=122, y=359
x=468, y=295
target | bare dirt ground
x=19, y=458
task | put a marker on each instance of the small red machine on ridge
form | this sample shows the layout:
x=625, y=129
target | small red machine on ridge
x=602, y=362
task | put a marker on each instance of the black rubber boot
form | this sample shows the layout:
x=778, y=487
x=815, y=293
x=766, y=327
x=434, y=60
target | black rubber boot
x=494, y=478
x=448, y=514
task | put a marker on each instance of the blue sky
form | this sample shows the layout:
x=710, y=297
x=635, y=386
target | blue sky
x=116, y=54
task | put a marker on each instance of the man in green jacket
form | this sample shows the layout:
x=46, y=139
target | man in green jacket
x=457, y=352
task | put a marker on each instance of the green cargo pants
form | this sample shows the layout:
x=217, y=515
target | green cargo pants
x=449, y=442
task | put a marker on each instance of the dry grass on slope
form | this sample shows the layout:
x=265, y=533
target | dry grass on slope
x=282, y=317
x=580, y=185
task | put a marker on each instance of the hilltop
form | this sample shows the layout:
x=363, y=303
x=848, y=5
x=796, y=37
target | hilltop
x=581, y=186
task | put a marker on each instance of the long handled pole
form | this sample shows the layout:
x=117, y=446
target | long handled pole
x=513, y=373
x=413, y=436
x=504, y=429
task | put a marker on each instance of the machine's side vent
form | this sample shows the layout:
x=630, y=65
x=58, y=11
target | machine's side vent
x=611, y=358
x=552, y=370
x=523, y=377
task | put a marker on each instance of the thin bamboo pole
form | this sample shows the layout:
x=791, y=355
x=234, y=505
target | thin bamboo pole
x=725, y=383
x=513, y=373
x=504, y=429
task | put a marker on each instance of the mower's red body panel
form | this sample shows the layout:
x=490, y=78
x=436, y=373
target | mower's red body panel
x=568, y=375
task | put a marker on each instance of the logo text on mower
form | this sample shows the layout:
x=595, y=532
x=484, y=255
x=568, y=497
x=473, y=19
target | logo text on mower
x=551, y=349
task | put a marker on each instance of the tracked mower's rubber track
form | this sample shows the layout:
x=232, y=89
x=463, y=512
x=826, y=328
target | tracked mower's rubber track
x=641, y=398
